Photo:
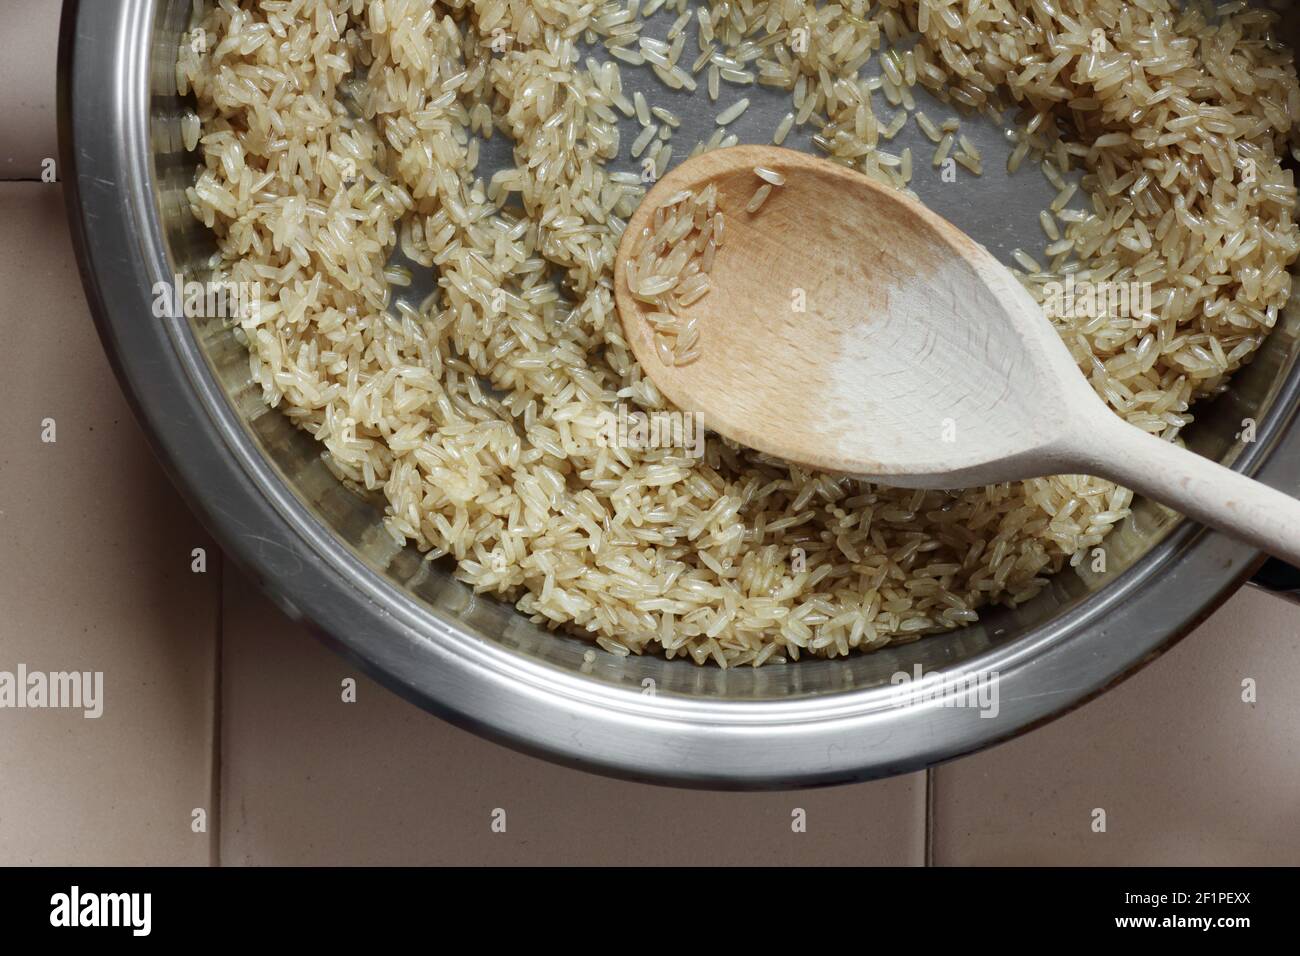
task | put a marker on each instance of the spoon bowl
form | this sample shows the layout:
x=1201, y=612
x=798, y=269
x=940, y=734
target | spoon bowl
x=852, y=329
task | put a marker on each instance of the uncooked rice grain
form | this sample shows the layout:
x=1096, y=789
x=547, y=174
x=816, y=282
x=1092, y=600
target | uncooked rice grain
x=732, y=112
x=945, y=147
x=783, y=129
x=760, y=196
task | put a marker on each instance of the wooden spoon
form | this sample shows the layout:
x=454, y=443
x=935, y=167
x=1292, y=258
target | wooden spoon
x=918, y=360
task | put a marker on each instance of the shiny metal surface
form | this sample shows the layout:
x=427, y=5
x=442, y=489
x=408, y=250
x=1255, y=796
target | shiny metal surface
x=320, y=552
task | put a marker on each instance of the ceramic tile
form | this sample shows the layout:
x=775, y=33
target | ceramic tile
x=95, y=576
x=29, y=39
x=1186, y=770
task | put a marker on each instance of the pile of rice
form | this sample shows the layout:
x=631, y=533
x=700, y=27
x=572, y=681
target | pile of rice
x=670, y=265
x=333, y=131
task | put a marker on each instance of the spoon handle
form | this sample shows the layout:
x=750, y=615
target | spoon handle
x=1195, y=486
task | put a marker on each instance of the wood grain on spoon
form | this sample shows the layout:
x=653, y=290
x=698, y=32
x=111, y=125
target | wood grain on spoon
x=851, y=329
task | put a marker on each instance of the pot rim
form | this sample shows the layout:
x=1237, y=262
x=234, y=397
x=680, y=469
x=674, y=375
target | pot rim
x=107, y=165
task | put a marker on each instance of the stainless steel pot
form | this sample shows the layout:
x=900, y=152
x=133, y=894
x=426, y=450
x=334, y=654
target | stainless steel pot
x=320, y=552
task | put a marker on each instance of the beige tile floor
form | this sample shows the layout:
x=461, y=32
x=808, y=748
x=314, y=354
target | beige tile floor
x=95, y=575
x=1187, y=772
x=29, y=35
